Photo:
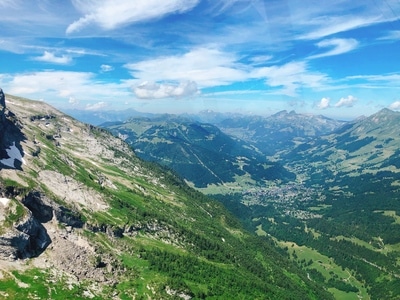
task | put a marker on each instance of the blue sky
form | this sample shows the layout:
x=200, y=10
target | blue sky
x=336, y=58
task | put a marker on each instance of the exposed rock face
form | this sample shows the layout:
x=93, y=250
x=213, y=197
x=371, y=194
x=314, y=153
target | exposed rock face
x=22, y=239
x=2, y=114
x=44, y=210
x=2, y=104
x=38, y=237
x=22, y=234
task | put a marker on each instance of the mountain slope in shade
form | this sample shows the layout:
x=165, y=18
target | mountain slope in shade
x=82, y=217
x=199, y=152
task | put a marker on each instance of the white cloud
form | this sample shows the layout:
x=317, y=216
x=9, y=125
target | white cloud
x=374, y=81
x=323, y=103
x=10, y=46
x=205, y=66
x=106, y=68
x=290, y=77
x=72, y=100
x=210, y=67
x=151, y=90
x=64, y=88
x=9, y=3
x=260, y=59
x=52, y=58
x=339, y=46
x=96, y=106
x=61, y=82
x=395, y=105
x=391, y=35
x=327, y=26
x=347, y=101
x=112, y=14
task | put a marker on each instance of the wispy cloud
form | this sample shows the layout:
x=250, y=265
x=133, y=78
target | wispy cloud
x=339, y=46
x=10, y=45
x=261, y=59
x=290, y=77
x=112, y=14
x=9, y=3
x=375, y=81
x=327, y=26
x=106, y=68
x=210, y=67
x=393, y=35
x=205, y=66
x=52, y=58
x=96, y=106
x=65, y=87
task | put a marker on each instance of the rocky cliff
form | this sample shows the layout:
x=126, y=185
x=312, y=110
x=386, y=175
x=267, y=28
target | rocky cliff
x=11, y=136
x=2, y=105
x=2, y=114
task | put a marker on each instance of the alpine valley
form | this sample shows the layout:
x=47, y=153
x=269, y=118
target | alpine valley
x=289, y=206
x=81, y=216
x=325, y=191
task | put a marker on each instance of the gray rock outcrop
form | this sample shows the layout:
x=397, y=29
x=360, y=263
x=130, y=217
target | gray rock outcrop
x=2, y=113
x=2, y=104
x=25, y=238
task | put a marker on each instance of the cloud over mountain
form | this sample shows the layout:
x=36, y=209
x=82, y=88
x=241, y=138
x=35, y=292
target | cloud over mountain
x=152, y=90
x=346, y=101
x=323, y=103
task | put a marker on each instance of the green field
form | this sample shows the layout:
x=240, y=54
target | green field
x=327, y=267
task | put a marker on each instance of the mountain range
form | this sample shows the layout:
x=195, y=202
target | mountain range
x=279, y=131
x=339, y=208
x=199, y=152
x=81, y=216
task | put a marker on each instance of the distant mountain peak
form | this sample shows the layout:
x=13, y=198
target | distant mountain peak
x=386, y=111
x=281, y=113
x=385, y=115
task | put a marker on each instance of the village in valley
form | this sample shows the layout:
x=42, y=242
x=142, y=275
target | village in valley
x=291, y=199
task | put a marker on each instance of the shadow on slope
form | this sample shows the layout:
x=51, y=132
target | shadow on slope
x=11, y=152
